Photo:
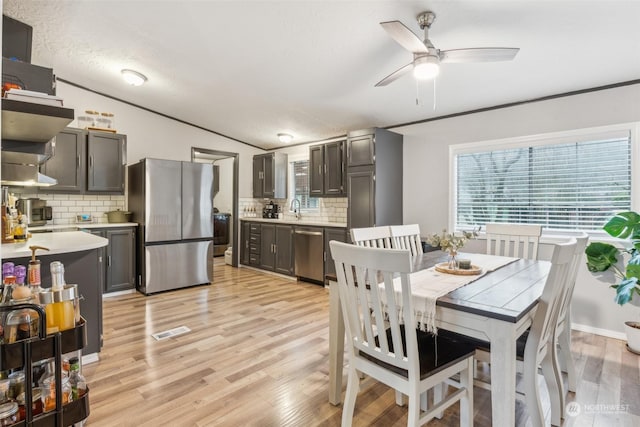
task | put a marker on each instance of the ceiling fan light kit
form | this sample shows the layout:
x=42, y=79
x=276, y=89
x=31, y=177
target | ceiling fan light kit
x=427, y=59
x=426, y=67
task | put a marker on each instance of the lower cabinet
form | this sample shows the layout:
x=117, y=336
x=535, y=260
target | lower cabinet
x=245, y=232
x=339, y=234
x=276, y=248
x=119, y=258
x=271, y=246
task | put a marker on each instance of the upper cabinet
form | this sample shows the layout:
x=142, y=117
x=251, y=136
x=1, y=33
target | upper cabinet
x=361, y=148
x=270, y=176
x=327, y=170
x=87, y=162
x=106, y=156
x=374, y=178
x=67, y=165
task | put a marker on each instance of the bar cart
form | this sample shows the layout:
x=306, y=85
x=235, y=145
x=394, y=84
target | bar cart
x=23, y=354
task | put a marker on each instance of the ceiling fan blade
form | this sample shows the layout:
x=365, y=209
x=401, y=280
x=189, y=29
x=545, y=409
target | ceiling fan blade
x=395, y=75
x=479, y=54
x=404, y=36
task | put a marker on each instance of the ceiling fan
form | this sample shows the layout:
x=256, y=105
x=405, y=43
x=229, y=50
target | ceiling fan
x=427, y=59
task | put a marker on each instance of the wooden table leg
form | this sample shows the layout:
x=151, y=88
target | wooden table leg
x=336, y=345
x=503, y=379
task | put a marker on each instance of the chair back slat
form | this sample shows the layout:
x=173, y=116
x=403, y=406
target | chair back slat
x=360, y=271
x=516, y=240
x=372, y=237
x=545, y=319
x=406, y=237
x=567, y=295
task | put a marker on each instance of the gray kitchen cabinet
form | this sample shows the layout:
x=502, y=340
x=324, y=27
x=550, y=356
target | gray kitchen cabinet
x=106, y=160
x=326, y=170
x=361, y=186
x=255, y=238
x=316, y=170
x=276, y=248
x=87, y=163
x=374, y=178
x=68, y=163
x=120, y=262
x=361, y=148
x=245, y=233
x=119, y=258
x=270, y=175
x=85, y=269
x=331, y=233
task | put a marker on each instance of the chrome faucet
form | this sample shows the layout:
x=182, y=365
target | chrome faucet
x=296, y=212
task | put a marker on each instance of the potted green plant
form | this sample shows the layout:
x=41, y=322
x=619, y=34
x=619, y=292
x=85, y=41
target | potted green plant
x=602, y=256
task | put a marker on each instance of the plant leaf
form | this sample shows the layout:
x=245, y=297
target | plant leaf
x=624, y=225
x=600, y=256
x=625, y=289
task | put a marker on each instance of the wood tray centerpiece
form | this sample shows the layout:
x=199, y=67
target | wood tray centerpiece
x=443, y=267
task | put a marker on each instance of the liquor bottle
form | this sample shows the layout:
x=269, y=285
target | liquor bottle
x=76, y=379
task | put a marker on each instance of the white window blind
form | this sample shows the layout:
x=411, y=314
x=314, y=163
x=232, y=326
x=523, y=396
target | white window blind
x=564, y=186
x=300, y=171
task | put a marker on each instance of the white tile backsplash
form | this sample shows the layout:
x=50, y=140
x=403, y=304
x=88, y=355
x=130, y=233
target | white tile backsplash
x=65, y=207
x=331, y=209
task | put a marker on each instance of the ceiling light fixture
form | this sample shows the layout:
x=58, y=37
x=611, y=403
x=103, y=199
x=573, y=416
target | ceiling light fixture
x=134, y=78
x=426, y=67
x=285, y=138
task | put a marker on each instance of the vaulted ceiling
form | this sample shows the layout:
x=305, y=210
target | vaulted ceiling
x=252, y=69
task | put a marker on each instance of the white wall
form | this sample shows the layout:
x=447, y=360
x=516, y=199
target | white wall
x=426, y=173
x=224, y=199
x=151, y=135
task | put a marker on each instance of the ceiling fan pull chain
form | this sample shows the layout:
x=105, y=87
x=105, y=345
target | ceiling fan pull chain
x=434, y=94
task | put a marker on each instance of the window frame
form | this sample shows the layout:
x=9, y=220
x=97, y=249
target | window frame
x=547, y=139
x=292, y=158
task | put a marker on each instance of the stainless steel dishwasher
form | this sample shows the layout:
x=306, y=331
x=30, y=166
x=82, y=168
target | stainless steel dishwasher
x=309, y=253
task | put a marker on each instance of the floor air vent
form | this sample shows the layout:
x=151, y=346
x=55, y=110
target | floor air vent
x=170, y=333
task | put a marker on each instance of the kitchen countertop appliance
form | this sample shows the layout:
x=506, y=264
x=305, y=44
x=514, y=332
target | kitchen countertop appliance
x=36, y=210
x=173, y=203
x=270, y=210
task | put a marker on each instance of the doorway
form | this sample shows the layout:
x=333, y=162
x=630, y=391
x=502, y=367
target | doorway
x=225, y=199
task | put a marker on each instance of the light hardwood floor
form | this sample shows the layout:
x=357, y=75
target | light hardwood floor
x=257, y=355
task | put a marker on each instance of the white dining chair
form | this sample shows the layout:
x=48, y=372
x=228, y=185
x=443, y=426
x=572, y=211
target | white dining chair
x=562, y=333
x=515, y=240
x=535, y=348
x=386, y=345
x=372, y=237
x=406, y=237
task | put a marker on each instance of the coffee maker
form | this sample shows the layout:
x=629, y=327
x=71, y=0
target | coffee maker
x=270, y=210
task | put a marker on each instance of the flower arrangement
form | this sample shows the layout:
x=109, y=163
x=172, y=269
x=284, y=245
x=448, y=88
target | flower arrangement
x=450, y=242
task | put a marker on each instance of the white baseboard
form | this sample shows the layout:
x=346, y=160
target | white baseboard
x=117, y=293
x=90, y=358
x=599, y=331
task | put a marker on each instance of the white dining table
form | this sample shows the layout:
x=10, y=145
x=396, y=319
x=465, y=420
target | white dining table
x=497, y=307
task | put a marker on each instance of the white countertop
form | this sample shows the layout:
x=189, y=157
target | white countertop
x=76, y=227
x=58, y=243
x=296, y=222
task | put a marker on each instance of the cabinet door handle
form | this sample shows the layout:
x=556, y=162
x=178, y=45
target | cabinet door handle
x=90, y=161
x=109, y=261
x=78, y=162
x=319, y=169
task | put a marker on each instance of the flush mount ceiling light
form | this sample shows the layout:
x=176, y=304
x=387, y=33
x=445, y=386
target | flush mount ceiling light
x=134, y=78
x=285, y=138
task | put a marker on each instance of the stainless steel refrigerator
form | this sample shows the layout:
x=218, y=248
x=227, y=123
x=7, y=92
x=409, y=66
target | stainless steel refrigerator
x=172, y=202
